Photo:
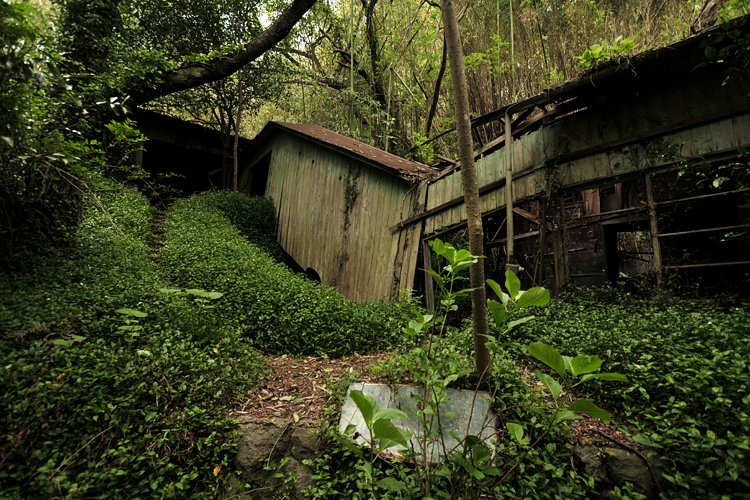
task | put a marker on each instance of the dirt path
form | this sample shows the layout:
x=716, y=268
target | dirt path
x=302, y=387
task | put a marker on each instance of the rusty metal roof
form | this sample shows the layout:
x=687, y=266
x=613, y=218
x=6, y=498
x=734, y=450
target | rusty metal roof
x=405, y=169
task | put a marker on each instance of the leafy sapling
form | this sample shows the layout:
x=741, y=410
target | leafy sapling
x=573, y=372
x=383, y=435
x=514, y=300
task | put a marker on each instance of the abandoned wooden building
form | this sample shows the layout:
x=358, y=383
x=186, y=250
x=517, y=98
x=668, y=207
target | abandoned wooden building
x=596, y=192
x=191, y=150
x=336, y=200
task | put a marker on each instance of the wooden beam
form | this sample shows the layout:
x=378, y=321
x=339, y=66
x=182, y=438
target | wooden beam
x=602, y=214
x=529, y=217
x=709, y=230
x=429, y=292
x=709, y=264
x=701, y=197
x=517, y=237
x=654, y=224
x=448, y=204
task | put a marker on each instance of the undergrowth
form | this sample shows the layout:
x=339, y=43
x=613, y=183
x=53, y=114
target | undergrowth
x=280, y=311
x=689, y=380
x=101, y=403
x=547, y=471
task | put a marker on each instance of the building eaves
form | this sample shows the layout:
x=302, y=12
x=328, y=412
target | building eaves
x=378, y=158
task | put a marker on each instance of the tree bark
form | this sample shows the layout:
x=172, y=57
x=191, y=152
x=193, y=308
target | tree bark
x=470, y=186
x=196, y=74
x=436, y=93
x=708, y=16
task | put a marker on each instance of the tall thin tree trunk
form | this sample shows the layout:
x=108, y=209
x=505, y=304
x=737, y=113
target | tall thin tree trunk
x=237, y=138
x=436, y=93
x=469, y=178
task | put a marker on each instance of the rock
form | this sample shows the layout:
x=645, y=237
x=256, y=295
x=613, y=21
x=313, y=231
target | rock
x=264, y=439
x=616, y=467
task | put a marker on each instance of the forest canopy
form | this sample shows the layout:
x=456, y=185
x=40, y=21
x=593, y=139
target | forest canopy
x=372, y=70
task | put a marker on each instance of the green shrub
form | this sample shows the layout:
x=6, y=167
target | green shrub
x=280, y=311
x=92, y=409
x=689, y=381
x=109, y=266
x=253, y=216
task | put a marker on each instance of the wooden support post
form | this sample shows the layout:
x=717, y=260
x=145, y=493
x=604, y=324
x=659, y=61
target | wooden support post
x=557, y=260
x=429, y=291
x=542, y=242
x=563, y=229
x=558, y=243
x=654, y=229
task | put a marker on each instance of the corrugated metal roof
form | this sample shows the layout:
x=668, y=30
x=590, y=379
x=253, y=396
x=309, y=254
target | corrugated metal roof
x=406, y=169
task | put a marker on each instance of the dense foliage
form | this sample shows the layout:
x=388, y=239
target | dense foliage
x=279, y=310
x=128, y=402
x=546, y=472
x=689, y=379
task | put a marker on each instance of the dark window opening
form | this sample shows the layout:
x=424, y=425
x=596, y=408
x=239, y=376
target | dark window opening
x=257, y=177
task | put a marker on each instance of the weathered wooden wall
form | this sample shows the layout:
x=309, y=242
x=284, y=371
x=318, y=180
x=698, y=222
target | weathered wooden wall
x=613, y=139
x=334, y=213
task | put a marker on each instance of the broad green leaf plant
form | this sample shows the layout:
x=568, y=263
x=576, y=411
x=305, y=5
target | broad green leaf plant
x=470, y=467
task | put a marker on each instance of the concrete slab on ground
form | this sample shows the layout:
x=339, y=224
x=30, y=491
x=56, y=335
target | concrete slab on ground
x=481, y=420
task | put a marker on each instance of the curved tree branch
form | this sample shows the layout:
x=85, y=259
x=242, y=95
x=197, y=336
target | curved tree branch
x=196, y=74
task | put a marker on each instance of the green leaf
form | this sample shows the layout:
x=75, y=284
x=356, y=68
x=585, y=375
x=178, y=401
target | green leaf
x=587, y=407
x=516, y=431
x=616, y=377
x=391, y=484
x=491, y=471
x=366, y=405
x=567, y=360
x=644, y=440
x=537, y=296
x=521, y=321
x=553, y=385
x=549, y=356
x=169, y=290
x=512, y=283
x=131, y=312
x=464, y=292
x=349, y=445
x=437, y=246
x=438, y=279
x=389, y=414
x=585, y=364
x=495, y=287
x=388, y=434
x=566, y=415
x=497, y=310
